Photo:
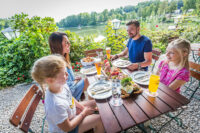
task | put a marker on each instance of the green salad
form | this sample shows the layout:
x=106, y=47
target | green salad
x=126, y=81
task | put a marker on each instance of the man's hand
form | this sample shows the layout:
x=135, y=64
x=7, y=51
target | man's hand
x=133, y=66
x=114, y=57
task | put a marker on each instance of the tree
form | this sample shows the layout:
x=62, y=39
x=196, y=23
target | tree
x=198, y=7
x=180, y=4
x=189, y=4
x=172, y=6
x=105, y=15
x=128, y=9
x=163, y=7
x=93, y=18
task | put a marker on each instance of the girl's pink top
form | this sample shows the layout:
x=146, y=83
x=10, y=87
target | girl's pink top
x=167, y=76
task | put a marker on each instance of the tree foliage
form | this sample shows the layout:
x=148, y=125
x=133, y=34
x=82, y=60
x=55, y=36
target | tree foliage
x=18, y=55
x=143, y=10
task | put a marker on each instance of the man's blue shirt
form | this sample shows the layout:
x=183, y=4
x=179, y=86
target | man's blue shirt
x=137, y=48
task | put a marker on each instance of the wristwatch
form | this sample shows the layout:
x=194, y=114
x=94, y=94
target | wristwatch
x=139, y=66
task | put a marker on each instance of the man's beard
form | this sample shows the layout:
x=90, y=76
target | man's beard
x=134, y=35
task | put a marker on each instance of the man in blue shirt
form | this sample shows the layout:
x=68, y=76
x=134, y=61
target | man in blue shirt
x=139, y=47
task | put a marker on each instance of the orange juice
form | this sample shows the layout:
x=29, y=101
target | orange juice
x=98, y=66
x=108, y=51
x=153, y=83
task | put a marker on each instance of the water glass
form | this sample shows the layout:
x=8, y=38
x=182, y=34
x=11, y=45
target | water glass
x=116, y=93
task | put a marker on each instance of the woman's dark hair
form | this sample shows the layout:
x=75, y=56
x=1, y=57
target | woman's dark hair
x=55, y=42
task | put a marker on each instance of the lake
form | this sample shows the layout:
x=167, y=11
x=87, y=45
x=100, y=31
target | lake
x=87, y=30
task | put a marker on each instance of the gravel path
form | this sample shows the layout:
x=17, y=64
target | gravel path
x=10, y=98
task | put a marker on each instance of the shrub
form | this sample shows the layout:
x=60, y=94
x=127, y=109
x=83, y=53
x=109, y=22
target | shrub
x=18, y=55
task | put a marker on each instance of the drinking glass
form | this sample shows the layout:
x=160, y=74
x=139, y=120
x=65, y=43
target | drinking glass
x=108, y=51
x=116, y=93
x=153, y=84
x=98, y=65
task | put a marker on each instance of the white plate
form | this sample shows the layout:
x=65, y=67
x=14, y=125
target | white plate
x=141, y=77
x=88, y=70
x=100, y=86
x=121, y=63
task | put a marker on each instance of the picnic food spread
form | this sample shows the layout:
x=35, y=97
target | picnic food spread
x=113, y=72
x=88, y=59
x=129, y=87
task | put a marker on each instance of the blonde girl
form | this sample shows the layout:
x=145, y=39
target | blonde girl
x=60, y=105
x=174, y=72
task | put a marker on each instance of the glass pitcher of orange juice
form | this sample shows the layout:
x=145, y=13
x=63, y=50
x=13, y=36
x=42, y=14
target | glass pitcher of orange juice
x=153, y=83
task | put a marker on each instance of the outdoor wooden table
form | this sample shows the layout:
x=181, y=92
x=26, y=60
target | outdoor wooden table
x=137, y=109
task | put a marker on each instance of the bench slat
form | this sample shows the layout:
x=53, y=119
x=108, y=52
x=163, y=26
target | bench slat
x=92, y=53
x=29, y=115
x=195, y=66
x=195, y=74
x=18, y=113
x=156, y=52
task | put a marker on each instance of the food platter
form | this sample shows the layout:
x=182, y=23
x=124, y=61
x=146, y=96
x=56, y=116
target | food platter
x=87, y=61
x=121, y=63
x=129, y=88
x=100, y=90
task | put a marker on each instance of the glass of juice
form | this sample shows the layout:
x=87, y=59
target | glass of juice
x=153, y=84
x=108, y=51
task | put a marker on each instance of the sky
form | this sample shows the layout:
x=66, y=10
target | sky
x=59, y=9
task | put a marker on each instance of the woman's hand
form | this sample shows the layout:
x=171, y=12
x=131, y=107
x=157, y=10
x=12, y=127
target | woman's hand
x=78, y=79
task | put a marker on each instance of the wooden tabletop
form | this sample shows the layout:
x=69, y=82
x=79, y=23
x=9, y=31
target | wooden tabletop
x=137, y=109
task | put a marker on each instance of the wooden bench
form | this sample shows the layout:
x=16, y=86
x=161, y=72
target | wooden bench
x=92, y=53
x=196, y=55
x=194, y=75
x=24, y=112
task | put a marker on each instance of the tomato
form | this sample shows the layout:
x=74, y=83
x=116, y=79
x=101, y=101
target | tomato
x=105, y=61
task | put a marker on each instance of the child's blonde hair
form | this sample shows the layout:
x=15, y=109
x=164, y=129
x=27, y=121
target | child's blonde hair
x=183, y=47
x=47, y=67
